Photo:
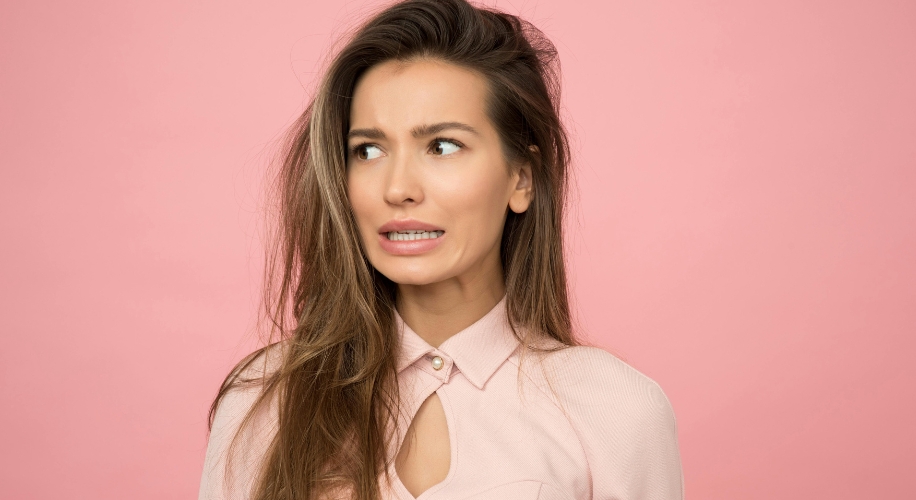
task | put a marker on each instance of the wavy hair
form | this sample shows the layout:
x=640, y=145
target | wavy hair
x=331, y=312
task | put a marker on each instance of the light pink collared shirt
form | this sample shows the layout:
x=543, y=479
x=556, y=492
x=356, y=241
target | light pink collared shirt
x=577, y=423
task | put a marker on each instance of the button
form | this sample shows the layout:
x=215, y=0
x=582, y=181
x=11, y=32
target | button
x=437, y=363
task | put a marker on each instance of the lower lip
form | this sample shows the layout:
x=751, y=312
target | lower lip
x=413, y=247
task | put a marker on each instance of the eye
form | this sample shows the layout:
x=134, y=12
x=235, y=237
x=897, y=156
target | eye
x=444, y=147
x=367, y=152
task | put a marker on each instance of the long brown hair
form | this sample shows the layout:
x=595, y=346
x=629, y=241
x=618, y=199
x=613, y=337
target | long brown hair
x=331, y=312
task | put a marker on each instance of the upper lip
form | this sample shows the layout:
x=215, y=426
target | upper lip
x=407, y=225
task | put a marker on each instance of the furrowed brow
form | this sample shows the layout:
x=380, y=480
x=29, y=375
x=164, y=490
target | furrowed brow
x=366, y=133
x=427, y=130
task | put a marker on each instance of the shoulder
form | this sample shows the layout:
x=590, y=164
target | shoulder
x=246, y=382
x=242, y=426
x=586, y=371
x=624, y=421
x=250, y=375
x=598, y=390
x=261, y=363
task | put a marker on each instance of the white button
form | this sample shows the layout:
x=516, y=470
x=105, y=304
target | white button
x=437, y=363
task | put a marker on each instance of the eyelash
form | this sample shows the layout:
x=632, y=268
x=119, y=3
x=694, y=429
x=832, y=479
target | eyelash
x=355, y=149
x=446, y=139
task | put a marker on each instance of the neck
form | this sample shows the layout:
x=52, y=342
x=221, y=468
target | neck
x=439, y=310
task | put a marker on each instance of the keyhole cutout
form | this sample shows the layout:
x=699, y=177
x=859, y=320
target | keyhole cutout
x=425, y=455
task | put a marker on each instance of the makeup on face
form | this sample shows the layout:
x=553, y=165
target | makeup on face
x=426, y=174
x=409, y=237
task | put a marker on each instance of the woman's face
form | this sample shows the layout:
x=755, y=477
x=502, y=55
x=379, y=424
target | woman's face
x=427, y=178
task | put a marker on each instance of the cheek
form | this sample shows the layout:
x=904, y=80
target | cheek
x=478, y=202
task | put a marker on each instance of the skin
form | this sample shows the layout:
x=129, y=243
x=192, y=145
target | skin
x=455, y=179
x=467, y=192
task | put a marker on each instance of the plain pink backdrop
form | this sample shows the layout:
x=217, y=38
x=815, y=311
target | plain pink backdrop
x=745, y=230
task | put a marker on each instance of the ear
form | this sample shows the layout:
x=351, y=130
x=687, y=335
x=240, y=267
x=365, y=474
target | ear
x=524, y=186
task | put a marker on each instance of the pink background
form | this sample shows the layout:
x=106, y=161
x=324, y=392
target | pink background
x=745, y=231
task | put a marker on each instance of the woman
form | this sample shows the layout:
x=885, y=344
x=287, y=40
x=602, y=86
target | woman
x=425, y=342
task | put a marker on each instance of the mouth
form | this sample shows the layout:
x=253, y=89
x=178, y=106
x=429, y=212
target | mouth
x=409, y=237
x=413, y=235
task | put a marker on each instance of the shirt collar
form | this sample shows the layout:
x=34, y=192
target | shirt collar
x=478, y=350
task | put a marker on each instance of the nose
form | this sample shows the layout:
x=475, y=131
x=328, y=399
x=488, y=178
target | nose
x=403, y=185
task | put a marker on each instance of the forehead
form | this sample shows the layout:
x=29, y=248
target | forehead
x=402, y=94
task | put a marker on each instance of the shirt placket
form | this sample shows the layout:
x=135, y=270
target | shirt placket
x=417, y=383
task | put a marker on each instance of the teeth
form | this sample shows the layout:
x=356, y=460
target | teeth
x=413, y=235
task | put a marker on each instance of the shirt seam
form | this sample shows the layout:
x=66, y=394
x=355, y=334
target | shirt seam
x=555, y=401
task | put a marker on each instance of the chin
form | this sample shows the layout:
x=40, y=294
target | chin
x=406, y=278
x=405, y=274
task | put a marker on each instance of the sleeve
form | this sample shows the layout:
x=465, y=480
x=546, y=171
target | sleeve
x=244, y=456
x=627, y=428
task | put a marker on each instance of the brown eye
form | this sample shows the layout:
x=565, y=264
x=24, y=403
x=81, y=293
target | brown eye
x=368, y=152
x=443, y=147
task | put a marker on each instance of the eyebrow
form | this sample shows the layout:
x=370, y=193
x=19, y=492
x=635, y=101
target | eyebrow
x=418, y=131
